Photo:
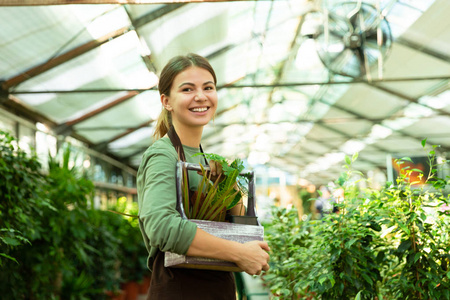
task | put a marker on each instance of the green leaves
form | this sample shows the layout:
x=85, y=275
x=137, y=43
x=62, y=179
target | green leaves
x=212, y=199
x=424, y=141
x=391, y=243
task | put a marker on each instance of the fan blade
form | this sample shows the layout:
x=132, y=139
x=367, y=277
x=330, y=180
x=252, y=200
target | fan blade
x=361, y=59
x=339, y=23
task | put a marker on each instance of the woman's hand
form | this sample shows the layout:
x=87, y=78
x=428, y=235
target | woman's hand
x=251, y=257
x=216, y=171
x=254, y=257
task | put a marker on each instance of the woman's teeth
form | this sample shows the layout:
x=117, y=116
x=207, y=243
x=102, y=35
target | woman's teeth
x=199, y=109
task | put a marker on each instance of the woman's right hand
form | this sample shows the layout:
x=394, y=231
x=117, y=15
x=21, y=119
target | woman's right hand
x=254, y=258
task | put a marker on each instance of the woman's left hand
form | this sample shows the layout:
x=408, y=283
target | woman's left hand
x=216, y=171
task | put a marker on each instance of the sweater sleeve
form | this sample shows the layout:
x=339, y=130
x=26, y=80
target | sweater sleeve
x=163, y=227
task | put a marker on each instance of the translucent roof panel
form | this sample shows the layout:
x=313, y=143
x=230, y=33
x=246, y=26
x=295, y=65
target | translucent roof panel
x=294, y=93
x=45, y=32
x=127, y=115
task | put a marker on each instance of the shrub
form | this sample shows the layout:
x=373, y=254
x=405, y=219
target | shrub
x=391, y=243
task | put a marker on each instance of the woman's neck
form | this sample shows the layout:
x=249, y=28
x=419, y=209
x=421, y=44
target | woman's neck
x=189, y=136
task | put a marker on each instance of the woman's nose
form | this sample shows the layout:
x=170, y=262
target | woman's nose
x=200, y=96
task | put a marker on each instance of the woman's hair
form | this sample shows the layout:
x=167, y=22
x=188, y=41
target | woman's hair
x=175, y=66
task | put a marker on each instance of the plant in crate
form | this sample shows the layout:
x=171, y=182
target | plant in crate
x=214, y=196
x=207, y=207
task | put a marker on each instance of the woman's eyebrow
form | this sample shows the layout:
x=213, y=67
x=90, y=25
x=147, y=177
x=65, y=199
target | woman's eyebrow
x=186, y=83
x=191, y=84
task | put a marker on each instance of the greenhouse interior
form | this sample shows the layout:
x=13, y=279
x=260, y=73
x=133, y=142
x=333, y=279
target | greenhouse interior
x=339, y=110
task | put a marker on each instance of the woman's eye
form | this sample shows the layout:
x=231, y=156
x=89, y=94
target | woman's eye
x=209, y=88
x=187, y=89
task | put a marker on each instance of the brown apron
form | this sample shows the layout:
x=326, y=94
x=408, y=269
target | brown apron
x=188, y=284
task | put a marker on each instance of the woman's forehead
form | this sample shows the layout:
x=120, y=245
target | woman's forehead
x=193, y=75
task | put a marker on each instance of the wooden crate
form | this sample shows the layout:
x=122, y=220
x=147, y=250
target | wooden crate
x=230, y=231
x=241, y=233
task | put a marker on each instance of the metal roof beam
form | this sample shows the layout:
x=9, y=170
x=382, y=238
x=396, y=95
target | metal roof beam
x=56, y=61
x=65, y=2
x=228, y=86
x=423, y=49
x=68, y=126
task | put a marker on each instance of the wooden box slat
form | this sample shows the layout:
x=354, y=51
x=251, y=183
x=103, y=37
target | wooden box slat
x=230, y=231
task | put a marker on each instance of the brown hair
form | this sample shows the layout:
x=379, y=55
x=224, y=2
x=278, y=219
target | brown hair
x=175, y=66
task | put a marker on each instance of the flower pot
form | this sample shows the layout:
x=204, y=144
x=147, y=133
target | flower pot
x=131, y=289
x=247, y=220
x=144, y=285
x=119, y=295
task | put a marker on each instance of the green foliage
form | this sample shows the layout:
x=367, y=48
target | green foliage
x=23, y=202
x=22, y=195
x=212, y=199
x=391, y=243
x=54, y=245
x=290, y=241
x=227, y=168
x=133, y=254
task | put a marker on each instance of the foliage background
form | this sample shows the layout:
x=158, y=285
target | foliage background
x=54, y=244
x=391, y=243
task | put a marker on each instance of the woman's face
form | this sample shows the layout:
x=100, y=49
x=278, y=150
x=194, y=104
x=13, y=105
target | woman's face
x=193, y=98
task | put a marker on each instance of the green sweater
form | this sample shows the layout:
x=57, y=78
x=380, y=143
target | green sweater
x=161, y=224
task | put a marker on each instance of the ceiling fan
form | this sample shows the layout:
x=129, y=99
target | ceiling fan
x=352, y=38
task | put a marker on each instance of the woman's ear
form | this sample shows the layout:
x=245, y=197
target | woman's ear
x=165, y=102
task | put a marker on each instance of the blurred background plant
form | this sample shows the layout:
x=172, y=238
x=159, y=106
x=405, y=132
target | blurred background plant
x=54, y=244
x=391, y=243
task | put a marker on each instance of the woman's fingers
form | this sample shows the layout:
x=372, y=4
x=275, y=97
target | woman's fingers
x=216, y=167
x=212, y=167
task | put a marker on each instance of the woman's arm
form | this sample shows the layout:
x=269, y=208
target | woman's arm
x=251, y=257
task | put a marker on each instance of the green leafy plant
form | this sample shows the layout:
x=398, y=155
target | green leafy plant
x=11, y=238
x=23, y=202
x=212, y=199
x=422, y=254
x=132, y=253
x=391, y=243
x=290, y=240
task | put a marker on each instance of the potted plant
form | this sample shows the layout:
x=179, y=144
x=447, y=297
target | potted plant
x=213, y=199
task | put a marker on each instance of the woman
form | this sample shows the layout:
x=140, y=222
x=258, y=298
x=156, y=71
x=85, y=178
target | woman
x=187, y=87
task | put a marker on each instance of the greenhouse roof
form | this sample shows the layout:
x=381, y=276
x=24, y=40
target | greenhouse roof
x=301, y=83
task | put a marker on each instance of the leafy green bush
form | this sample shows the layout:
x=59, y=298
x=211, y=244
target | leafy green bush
x=23, y=203
x=290, y=240
x=54, y=245
x=386, y=244
x=133, y=254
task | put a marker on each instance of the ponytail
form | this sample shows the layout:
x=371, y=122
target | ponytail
x=162, y=125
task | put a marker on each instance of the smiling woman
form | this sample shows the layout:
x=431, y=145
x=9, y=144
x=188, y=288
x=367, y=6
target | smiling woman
x=192, y=102
x=188, y=94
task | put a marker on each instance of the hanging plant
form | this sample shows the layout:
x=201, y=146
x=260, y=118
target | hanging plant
x=214, y=196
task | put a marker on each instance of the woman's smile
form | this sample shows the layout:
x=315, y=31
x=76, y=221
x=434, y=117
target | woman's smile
x=199, y=109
